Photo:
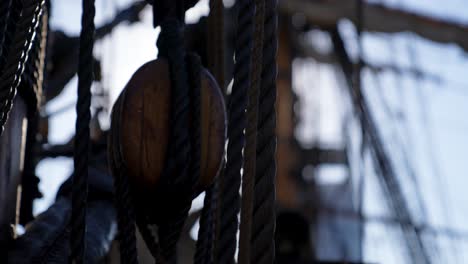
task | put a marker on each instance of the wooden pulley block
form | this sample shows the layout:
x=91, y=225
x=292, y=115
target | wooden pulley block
x=140, y=128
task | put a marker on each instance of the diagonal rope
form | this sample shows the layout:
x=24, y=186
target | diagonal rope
x=229, y=198
x=82, y=141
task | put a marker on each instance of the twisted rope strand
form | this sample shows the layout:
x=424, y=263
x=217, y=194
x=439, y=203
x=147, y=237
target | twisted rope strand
x=229, y=204
x=5, y=6
x=125, y=218
x=263, y=226
x=17, y=57
x=170, y=44
x=203, y=249
x=82, y=141
x=250, y=161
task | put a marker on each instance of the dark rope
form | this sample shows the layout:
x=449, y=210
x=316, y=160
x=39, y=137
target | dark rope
x=176, y=173
x=125, y=218
x=5, y=7
x=204, y=245
x=250, y=152
x=264, y=216
x=123, y=198
x=215, y=48
x=82, y=141
x=229, y=204
x=17, y=56
x=215, y=42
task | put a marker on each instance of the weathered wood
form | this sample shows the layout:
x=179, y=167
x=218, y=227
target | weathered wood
x=377, y=18
x=12, y=144
x=141, y=116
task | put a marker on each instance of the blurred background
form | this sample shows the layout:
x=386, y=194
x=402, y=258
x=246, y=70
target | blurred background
x=372, y=143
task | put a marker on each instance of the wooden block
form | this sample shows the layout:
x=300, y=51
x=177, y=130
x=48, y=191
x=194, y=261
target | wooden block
x=141, y=118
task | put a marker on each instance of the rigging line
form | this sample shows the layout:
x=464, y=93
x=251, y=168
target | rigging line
x=82, y=142
x=387, y=173
x=430, y=144
x=407, y=161
x=209, y=219
x=358, y=84
x=250, y=152
x=229, y=203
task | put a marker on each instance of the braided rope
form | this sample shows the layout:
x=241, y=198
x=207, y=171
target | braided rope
x=82, y=141
x=41, y=58
x=263, y=225
x=125, y=218
x=17, y=56
x=250, y=153
x=204, y=245
x=229, y=204
x=215, y=47
x=215, y=39
x=170, y=44
x=5, y=6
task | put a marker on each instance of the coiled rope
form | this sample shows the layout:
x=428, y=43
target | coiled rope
x=229, y=198
x=82, y=141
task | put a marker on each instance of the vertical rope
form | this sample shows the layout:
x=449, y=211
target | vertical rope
x=263, y=224
x=250, y=152
x=5, y=7
x=170, y=44
x=205, y=234
x=17, y=56
x=125, y=218
x=82, y=141
x=215, y=49
x=215, y=42
x=229, y=204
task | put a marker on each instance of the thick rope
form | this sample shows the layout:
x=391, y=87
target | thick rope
x=125, y=218
x=170, y=44
x=204, y=245
x=17, y=56
x=82, y=141
x=215, y=42
x=123, y=197
x=250, y=153
x=264, y=216
x=5, y=7
x=205, y=234
x=229, y=204
x=215, y=48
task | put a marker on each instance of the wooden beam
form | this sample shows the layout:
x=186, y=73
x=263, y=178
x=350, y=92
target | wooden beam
x=377, y=18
